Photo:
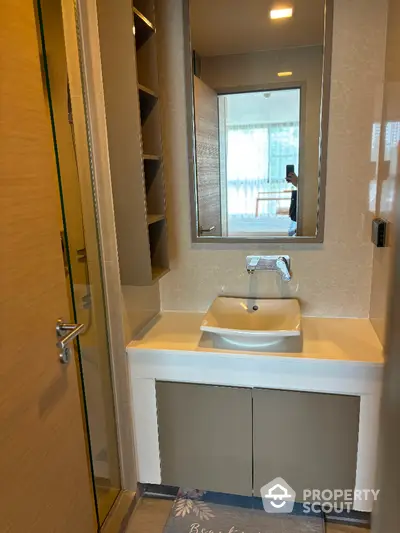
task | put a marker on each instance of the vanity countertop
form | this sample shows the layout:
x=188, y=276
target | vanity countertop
x=340, y=356
x=335, y=339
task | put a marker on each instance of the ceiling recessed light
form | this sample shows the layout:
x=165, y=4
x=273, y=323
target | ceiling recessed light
x=283, y=74
x=281, y=13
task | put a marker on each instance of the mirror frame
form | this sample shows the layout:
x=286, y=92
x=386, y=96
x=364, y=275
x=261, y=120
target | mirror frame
x=324, y=123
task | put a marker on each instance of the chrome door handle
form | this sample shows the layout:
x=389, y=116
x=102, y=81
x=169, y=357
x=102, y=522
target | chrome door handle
x=66, y=333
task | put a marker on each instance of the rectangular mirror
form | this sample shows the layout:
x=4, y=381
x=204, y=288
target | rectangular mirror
x=258, y=74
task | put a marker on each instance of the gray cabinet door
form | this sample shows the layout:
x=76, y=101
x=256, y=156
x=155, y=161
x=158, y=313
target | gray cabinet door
x=308, y=439
x=205, y=437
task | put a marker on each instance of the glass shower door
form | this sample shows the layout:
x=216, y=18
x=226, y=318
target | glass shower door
x=78, y=229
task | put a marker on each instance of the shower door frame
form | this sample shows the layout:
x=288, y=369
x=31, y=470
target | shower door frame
x=83, y=56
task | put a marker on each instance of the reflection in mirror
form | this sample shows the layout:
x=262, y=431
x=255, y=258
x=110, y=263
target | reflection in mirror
x=260, y=99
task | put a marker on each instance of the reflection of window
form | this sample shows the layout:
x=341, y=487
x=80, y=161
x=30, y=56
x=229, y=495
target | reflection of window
x=392, y=138
x=283, y=149
x=262, y=151
x=257, y=156
x=259, y=135
x=247, y=154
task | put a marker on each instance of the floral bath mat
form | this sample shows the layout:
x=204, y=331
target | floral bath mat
x=205, y=512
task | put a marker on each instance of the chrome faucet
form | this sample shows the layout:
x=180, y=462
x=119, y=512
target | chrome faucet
x=279, y=263
x=252, y=264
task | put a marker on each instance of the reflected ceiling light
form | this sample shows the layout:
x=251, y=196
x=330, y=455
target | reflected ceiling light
x=283, y=74
x=285, y=13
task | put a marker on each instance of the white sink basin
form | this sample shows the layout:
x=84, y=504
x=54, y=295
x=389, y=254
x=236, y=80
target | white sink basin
x=253, y=323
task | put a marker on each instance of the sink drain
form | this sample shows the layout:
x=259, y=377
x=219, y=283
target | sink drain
x=255, y=307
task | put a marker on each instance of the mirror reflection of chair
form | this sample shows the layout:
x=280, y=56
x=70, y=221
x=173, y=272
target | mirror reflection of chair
x=282, y=199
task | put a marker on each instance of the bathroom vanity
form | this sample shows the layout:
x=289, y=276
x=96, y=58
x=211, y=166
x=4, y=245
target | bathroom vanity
x=231, y=420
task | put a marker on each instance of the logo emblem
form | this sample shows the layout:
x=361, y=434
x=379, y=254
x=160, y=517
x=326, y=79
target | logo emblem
x=278, y=496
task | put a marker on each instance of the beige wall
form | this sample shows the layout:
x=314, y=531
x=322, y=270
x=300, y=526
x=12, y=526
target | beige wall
x=332, y=279
x=260, y=69
x=387, y=173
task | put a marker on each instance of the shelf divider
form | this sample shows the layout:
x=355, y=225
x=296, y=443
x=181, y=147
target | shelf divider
x=151, y=157
x=144, y=29
x=152, y=219
x=146, y=91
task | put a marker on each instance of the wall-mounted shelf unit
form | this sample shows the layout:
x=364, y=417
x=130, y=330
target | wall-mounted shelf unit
x=130, y=74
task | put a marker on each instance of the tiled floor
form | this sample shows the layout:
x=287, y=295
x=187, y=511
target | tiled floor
x=151, y=515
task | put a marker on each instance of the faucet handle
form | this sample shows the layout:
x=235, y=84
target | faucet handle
x=282, y=265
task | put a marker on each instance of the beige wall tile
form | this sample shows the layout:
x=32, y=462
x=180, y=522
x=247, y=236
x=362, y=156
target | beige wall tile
x=388, y=169
x=140, y=305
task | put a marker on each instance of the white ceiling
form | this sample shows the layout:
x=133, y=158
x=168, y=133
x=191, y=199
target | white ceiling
x=224, y=27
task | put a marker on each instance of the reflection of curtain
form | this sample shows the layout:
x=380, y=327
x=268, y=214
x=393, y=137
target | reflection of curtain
x=247, y=167
x=284, y=149
x=257, y=156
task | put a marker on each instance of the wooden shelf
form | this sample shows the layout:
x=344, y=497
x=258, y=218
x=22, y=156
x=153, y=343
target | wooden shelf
x=158, y=249
x=147, y=100
x=151, y=130
x=158, y=272
x=144, y=29
x=154, y=184
x=147, y=92
x=152, y=219
x=147, y=62
x=146, y=8
x=151, y=157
